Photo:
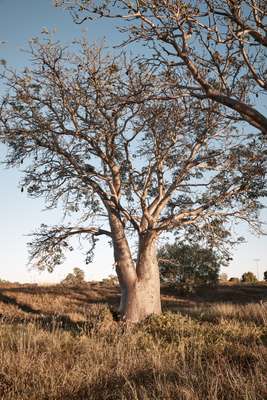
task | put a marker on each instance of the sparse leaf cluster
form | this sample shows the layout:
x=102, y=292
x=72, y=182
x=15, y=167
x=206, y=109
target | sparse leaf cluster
x=211, y=49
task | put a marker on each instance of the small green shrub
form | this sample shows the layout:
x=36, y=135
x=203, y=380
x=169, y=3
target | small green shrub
x=74, y=279
x=249, y=277
x=168, y=326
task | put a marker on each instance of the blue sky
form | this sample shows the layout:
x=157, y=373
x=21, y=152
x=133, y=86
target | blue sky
x=19, y=215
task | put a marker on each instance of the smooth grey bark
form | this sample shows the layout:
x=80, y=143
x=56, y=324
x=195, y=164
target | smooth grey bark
x=140, y=284
x=144, y=297
x=124, y=264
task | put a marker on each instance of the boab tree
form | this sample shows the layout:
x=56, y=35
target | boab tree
x=213, y=49
x=96, y=134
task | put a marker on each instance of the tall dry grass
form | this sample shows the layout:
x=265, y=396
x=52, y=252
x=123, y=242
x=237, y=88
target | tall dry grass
x=62, y=343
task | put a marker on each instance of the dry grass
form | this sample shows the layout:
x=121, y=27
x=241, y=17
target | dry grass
x=62, y=343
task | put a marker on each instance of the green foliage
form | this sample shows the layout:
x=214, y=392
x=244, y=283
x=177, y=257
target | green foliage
x=75, y=278
x=249, y=277
x=168, y=327
x=188, y=265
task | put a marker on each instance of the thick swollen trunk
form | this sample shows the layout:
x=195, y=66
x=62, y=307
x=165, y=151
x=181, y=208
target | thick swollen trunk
x=148, y=276
x=123, y=259
x=140, y=300
x=140, y=285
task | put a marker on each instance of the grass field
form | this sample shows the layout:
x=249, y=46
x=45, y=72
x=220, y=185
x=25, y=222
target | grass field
x=63, y=344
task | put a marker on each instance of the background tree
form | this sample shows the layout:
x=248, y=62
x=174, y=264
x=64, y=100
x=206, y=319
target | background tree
x=212, y=49
x=76, y=278
x=249, y=277
x=96, y=134
x=111, y=280
x=182, y=263
x=265, y=275
x=234, y=280
x=223, y=277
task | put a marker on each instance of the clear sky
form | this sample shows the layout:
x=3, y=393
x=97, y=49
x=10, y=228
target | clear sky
x=19, y=215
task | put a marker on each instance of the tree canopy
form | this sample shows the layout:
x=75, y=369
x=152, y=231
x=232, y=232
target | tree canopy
x=183, y=263
x=77, y=277
x=212, y=49
x=249, y=277
x=96, y=133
